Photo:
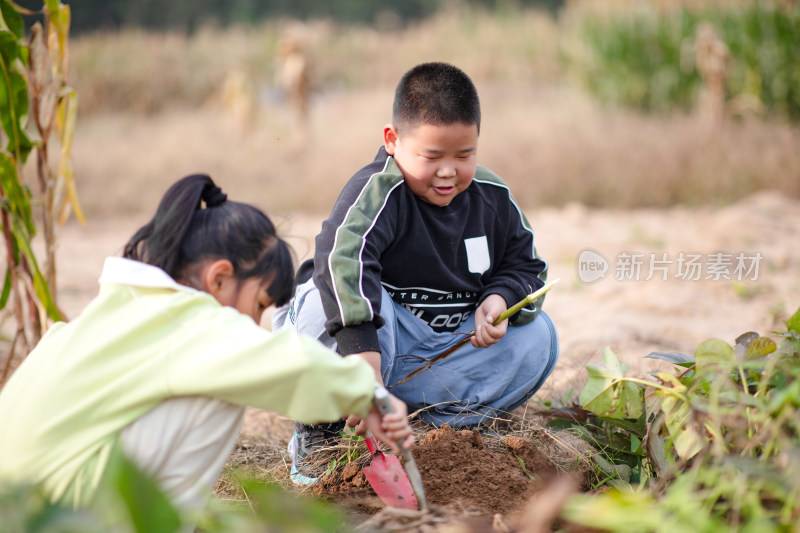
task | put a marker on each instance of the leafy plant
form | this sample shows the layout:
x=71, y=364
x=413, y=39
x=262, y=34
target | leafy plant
x=130, y=501
x=33, y=78
x=718, y=442
x=26, y=509
x=351, y=451
x=641, y=57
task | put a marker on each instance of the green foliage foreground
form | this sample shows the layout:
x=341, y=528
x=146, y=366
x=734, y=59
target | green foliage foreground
x=714, y=447
x=129, y=501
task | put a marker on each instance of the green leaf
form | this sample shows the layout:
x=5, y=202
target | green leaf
x=760, y=347
x=607, y=393
x=331, y=467
x=522, y=466
x=793, y=324
x=25, y=507
x=6, y=290
x=13, y=95
x=148, y=507
x=789, y=395
x=40, y=287
x=611, y=360
x=673, y=381
x=616, y=511
x=636, y=444
x=713, y=352
x=687, y=441
x=678, y=418
x=743, y=342
x=10, y=20
x=18, y=203
x=636, y=427
x=279, y=510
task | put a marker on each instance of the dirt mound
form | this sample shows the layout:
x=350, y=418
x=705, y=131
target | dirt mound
x=468, y=483
x=458, y=468
x=462, y=476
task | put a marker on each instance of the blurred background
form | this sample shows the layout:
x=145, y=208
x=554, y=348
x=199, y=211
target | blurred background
x=603, y=103
x=662, y=127
x=650, y=127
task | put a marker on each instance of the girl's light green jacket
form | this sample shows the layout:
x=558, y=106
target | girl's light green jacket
x=143, y=339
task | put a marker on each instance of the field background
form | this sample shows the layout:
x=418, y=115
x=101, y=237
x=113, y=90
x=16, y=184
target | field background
x=562, y=96
x=589, y=173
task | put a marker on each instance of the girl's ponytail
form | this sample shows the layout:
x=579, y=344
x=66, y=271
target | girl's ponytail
x=196, y=221
x=213, y=195
x=158, y=242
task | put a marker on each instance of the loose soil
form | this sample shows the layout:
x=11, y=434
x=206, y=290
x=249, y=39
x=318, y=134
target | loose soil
x=459, y=469
x=466, y=481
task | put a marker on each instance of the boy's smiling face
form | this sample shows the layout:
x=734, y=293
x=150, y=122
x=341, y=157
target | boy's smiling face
x=438, y=161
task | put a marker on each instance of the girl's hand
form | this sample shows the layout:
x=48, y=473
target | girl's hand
x=357, y=423
x=485, y=333
x=392, y=427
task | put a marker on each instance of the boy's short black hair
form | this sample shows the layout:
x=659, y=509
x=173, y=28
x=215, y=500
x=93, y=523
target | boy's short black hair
x=435, y=93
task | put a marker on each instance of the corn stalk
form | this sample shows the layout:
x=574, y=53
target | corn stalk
x=33, y=79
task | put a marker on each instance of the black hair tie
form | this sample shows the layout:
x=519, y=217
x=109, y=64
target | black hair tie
x=213, y=196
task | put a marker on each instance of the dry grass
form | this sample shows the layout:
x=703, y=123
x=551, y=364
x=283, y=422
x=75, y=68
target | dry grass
x=260, y=453
x=138, y=71
x=551, y=144
x=150, y=113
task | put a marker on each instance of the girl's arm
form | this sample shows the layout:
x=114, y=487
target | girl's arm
x=226, y=356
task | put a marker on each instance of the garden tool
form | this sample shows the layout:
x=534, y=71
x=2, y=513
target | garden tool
x=467, y=336
x=384, y=405
x=388, y=479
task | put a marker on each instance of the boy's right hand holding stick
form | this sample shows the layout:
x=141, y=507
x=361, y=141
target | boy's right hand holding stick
x=487, y=333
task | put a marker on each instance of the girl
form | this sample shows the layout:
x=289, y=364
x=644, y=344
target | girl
x=162, y=362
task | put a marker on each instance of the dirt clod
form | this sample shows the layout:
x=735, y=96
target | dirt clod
x=457, y=466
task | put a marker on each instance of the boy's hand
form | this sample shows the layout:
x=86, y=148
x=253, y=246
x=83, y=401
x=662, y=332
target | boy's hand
x=485, y=333
x=388, y=429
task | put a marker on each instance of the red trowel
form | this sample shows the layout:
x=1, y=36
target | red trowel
x=388, y=479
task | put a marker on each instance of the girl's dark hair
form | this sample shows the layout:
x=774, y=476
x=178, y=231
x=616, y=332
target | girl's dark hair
x=438, y=94
x=195, y=221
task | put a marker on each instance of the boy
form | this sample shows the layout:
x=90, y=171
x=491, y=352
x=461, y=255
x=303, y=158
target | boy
x=422, y=244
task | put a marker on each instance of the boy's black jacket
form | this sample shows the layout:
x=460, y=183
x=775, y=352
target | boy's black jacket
x=380, y=235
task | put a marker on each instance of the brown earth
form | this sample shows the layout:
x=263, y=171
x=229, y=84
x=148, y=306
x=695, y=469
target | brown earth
x=466, y=482
x=458, y=469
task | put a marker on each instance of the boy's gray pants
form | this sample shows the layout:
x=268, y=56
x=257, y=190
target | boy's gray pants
x=466, y=388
